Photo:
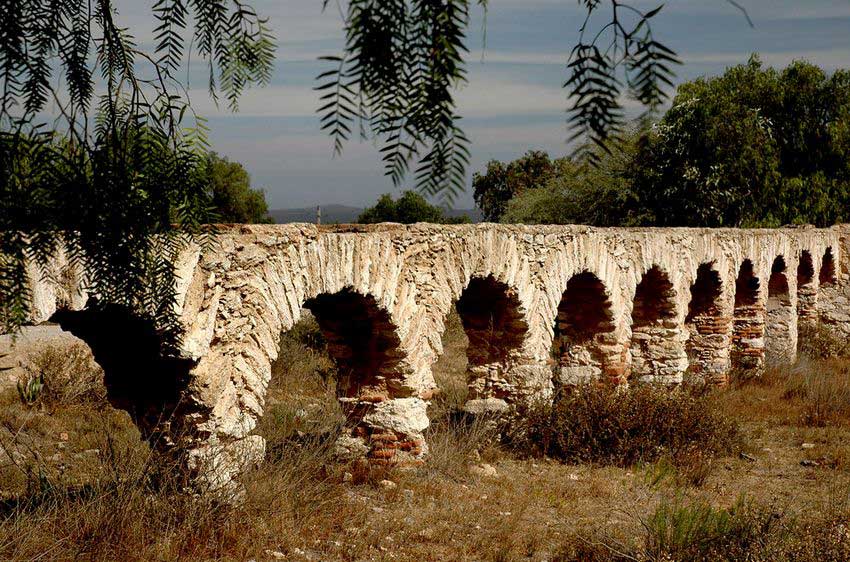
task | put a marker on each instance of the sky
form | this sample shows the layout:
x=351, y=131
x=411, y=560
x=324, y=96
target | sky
x=513, y=101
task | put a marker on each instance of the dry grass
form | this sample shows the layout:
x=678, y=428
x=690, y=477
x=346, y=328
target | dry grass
x=81, y=485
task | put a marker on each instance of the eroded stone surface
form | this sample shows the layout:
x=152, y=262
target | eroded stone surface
x=542, y=306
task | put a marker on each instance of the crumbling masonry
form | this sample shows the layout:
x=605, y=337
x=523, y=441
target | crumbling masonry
x=542, y=306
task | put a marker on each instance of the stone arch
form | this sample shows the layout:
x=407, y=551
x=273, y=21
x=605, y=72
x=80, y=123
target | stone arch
x=807, y=292
x=747, y=322
x=491, y=314
x=657, y=345
x=826, y=276
x=362, y=339
x=585, y=347
x=382, y=420
x=781, y=322
x=709, y=328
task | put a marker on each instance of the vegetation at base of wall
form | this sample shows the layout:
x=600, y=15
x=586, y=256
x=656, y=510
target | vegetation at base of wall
x=695, y=530
x=753, y=147
x=604, y=425
x=411, y=207
x=63, y=375
x=99, y=492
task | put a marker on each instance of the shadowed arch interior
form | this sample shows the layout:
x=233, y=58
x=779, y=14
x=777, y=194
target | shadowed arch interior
x=362, y=339
x=657, y=352
x=583, y=329
x=138, y=377
x=807, y=310
x=491, y=315
x=490, y=312
x=826, y=277
x=709, y=329
x=748, y=321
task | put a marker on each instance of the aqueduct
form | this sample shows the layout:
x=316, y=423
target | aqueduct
x=542, y=306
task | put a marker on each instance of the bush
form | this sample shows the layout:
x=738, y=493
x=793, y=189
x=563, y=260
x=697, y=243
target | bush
x=605, y=425
x=63, y=375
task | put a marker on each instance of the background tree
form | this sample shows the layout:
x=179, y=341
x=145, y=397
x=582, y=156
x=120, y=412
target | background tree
x=502, y=182
x=753, y=147
x=232, y=197
x=411, y=207
x=582, y=189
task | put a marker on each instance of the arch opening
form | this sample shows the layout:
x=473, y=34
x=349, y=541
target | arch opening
x=826, y=276
x=747, y=322
x=490, y=312
x=585, y=347
x=362, y=339
x=781, y=327
x=657, y=344
x=807, y=292
x=384, y=421
x=139, y=378
x=709, y=329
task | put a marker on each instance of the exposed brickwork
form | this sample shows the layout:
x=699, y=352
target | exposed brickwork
x=748, y=321
x=542, y=306
x=585, y=346
x=657, y=343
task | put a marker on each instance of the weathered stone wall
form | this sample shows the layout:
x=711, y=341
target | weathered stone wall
x=542, y=306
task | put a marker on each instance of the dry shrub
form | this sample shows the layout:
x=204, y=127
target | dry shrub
x=824, y=389
x=68, y=376
x=303, y=365
x=456, y=441
x=450, y=369
x=684, y=531
x=821, y=342
x=133, y=506
x=600, y=424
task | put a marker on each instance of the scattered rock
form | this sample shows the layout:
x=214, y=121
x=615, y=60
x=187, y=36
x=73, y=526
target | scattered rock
x=573, y=476
x=388, y=484
x=807, y=446
x=276, y=554
x=747, y=457
x=64, y=436
x=347, y=477
x=484, y=470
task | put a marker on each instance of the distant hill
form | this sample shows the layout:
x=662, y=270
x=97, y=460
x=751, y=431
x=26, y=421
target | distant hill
x=343, y=214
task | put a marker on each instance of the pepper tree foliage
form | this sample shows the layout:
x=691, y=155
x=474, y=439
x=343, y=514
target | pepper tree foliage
x=394, y=80
x=403, y=58
x=117, y=180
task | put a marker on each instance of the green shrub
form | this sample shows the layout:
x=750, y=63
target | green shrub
x=678, y=530
x=605, y=425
